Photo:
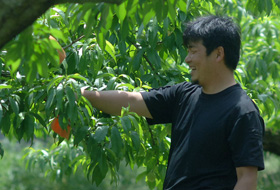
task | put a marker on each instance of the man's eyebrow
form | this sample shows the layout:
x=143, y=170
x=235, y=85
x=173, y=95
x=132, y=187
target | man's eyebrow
x=191, y=46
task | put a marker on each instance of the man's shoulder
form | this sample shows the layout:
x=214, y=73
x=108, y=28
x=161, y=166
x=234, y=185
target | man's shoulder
x=179, y=88
x=187, y=86
x=245, y=103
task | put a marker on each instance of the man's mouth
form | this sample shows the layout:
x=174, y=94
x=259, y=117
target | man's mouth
x=192, y=68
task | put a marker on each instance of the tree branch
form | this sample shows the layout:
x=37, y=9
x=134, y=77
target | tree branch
x=271, y=142
x=88, y=1
x=17, y=15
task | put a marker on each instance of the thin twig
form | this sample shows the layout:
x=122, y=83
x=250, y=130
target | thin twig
x=78, y=39
x=152, y=136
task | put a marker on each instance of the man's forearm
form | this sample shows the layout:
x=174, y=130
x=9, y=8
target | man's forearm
x=245, y=185
x=246, y=178
x=111, y=102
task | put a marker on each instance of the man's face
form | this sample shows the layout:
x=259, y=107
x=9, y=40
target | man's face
x=199, y=63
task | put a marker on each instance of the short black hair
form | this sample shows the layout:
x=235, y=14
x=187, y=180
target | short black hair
x=215, y=31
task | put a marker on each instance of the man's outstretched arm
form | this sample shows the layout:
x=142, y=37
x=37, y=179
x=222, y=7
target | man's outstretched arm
x=111, y=102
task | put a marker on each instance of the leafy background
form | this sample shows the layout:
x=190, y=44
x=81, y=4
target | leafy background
x=134, y=46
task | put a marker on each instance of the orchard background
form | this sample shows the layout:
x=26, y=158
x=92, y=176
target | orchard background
x=130, y=45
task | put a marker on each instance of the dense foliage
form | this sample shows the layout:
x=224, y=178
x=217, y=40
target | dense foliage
x=134, y=46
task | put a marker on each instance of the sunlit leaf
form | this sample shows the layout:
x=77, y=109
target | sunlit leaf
x=110, y=49
x=2, y=86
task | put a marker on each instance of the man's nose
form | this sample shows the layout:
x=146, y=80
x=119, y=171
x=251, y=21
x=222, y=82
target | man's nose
x=188, y=58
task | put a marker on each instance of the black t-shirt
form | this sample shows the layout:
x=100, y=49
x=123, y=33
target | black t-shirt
x=211, y=134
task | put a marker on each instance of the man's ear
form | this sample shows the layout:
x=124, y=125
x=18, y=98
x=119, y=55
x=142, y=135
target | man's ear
x=220, y=52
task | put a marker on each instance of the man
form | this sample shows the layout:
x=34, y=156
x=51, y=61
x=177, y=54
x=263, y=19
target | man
x=216, y=139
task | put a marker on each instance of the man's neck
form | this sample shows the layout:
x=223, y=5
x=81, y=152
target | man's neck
x=219, y=83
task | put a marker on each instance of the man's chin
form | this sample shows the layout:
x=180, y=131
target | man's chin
x=195, y=82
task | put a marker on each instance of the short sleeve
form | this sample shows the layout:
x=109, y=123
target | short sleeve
x=245, y=141
x=161, y=103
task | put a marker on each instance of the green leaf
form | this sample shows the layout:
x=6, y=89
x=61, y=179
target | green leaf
x=14, y=105
x=30, y=70
x=61, y=13
x=137, y=59
x=71, y=100
x=135, y=140
x=129, y=86
x=28, y=125
x=277, y=3
x=141, y=176
x=1, y=150
x=122, y=47
x=112, y=83
x=59, y=97
x=121, y=12
x=1, y=113
x=40, y=61
x=78, y=76
x=58, y=34
x=101, y=133
x=6, y=123
x=63, y=122
x=125, y=29
x=106, y=17
x=103, y=164
x=90, y=22
x=182, y=6
x=171, y=12
x=101, y=40
x=126, y=124
x=148, y=16
x=30, y=99
x=50, y=100
x=111, y=50
x=97, y=176
x=54, y=81
x=116, y=141
x=154, y=58
x=39, y=118
x=15, y=62
x=112, y=156
x=20, y=130
x=2, y=86
x=80, y=134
